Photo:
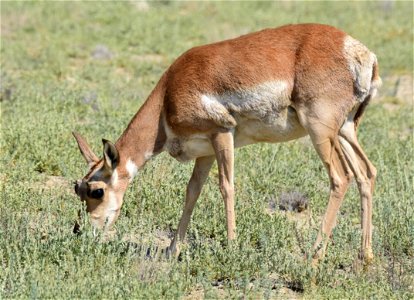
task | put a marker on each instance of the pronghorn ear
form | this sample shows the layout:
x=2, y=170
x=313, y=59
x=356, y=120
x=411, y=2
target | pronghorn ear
x=84, y=148
x=111, y=155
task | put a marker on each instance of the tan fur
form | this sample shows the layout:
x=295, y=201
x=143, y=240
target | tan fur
x=273, y=86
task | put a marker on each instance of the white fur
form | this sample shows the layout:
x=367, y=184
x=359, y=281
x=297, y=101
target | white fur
x=112, y=202
x=217, y=111
x=148, y=155
x=111, y=209
x=132, y=169
x=263, y=102
x=262, y=114
x=114, y=178
x=360, y=62
x=168, y=131
x=197, y=146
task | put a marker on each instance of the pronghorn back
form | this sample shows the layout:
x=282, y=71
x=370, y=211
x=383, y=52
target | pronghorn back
x=254, y=84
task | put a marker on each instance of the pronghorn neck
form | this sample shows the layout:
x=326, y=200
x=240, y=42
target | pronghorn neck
x=145, y=136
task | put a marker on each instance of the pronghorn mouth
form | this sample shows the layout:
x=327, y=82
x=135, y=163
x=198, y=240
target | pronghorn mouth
x=109, y=220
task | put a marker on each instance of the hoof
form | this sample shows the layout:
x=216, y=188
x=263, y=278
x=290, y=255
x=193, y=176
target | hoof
x=363, y=262
x=315, y=262
x=317, y=257
x=76, y=229
x=173, y=251
x=367, y=256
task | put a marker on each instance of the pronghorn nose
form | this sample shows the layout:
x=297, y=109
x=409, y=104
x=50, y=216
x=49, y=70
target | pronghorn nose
x=77, y=185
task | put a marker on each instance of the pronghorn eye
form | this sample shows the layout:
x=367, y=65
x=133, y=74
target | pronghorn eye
x=96, y=194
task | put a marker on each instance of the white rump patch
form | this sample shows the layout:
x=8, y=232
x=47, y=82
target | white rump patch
x=132, y=169
x=360, y=62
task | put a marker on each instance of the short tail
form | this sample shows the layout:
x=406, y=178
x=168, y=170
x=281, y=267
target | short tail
x=376, y=82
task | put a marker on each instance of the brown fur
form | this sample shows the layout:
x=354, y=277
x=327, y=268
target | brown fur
x=322, y=76
x=308, y=56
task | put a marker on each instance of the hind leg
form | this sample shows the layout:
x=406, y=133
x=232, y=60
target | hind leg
x=332, y=156
x=323, y=129
x=365, y=174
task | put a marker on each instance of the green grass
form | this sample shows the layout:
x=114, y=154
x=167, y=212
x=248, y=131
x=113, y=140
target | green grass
x=51, y=85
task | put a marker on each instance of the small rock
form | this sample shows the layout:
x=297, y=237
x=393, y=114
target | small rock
x=5, y=94
x=404, y=89
x=102, y=52
x=387, y=6
x=293, y=201
x=272, y=205
x=90, y=98
x=6, y=88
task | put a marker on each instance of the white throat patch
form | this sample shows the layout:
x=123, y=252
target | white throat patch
x=132, y=169
x=111, y=210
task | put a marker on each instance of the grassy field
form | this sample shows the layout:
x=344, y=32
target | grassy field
x=89, y=66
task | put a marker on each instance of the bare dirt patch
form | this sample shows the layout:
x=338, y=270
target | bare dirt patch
x=152, y=58
x=396, y=91
x=57, y=182
x=218, y=292
x=160, y=239
x=199, y=294
x=13, y=22
x=50, y=183
x=53, y=181
x=142, y=6
x=287, y=293
x=123, y=73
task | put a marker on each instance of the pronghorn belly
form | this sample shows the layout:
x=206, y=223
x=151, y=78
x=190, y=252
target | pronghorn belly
x=258, y=114
x=196, y=146
x=263, y=102
x=284, y=127
x=188, y=148
x=248, y=131
x=262, y=113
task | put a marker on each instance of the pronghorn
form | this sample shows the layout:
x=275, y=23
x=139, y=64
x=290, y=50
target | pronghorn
x=274, y=85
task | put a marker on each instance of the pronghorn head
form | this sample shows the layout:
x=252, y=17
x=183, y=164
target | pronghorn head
x=104, y=185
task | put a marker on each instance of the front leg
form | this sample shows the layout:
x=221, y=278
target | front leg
x=223, y=145
x=200, y=173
